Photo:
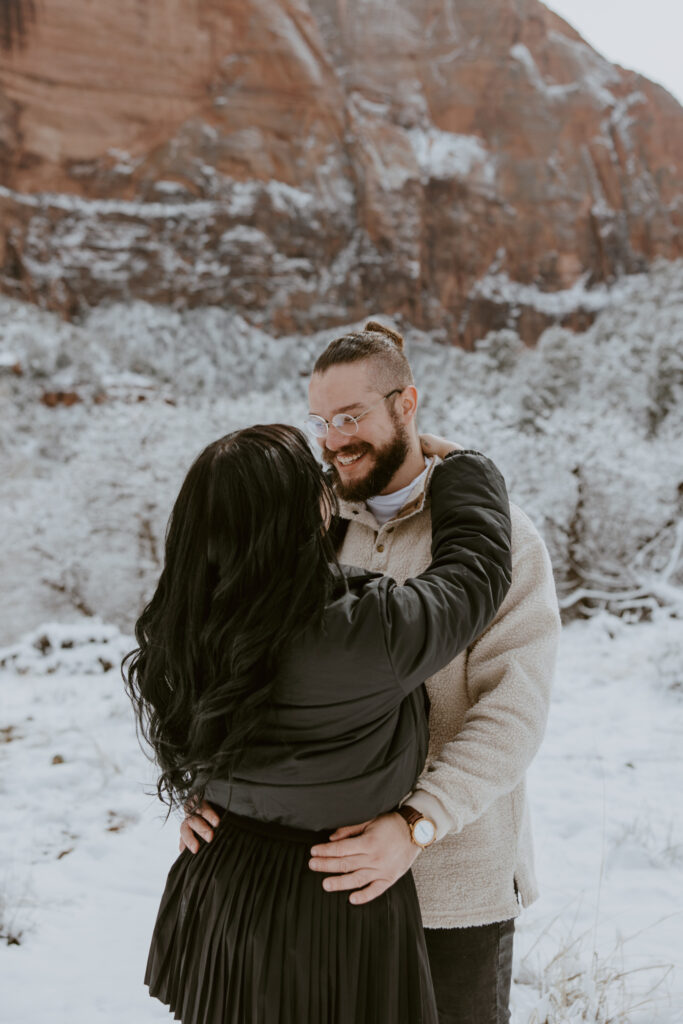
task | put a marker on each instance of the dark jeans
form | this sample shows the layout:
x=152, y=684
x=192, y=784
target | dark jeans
x=472, y=972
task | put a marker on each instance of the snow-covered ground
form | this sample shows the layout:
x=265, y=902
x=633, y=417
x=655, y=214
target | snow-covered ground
x=84, y=850
x=604, y=941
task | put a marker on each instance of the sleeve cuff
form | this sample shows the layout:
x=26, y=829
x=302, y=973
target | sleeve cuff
x=428, y=805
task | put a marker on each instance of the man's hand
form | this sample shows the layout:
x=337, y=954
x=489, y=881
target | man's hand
x=200, y=823
x=367, y=858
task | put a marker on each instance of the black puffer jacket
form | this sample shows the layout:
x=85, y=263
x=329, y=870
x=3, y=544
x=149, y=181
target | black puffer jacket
x=347, y=733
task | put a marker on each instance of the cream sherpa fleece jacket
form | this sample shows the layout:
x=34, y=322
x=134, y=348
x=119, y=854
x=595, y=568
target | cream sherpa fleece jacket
x=488, y=716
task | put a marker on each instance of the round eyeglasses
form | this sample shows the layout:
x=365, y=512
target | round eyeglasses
x=343, y=422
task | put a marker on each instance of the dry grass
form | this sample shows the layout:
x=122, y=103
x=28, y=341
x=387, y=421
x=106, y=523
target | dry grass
x=577, y=984
x=15, y=910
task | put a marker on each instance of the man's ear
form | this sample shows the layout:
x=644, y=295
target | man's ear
x=407, y=403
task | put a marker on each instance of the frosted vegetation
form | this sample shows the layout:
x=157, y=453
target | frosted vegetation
x=102, y=418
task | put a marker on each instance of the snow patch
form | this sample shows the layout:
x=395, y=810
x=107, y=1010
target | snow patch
x=244, y=234
x=443, y=155
x=170, y=187
x=242, y=201
x=371, y=108
x=199, y=208
x=88, y=648
x=620, y=118
x=8, y=359
x=551, y=90
x=286, y=199
x=498, y=288
x=591, y=70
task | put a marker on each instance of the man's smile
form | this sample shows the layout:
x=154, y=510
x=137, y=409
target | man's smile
x=348, y=460
x=346, y=457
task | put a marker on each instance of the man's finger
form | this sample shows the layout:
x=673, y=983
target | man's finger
x=200, y=827
x=188, y=839
x=190, y=828
x=354, y=880
x=206, y=811
x=337, y=865
x=370, y=892
x=341, y=848
x=346, y=831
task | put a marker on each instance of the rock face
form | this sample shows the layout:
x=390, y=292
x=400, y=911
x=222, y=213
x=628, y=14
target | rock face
x=462, y=165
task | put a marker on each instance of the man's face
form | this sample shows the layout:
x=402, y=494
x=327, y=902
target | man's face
x=363, y=464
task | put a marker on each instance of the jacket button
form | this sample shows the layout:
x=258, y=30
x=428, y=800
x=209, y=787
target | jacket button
x=380, y=548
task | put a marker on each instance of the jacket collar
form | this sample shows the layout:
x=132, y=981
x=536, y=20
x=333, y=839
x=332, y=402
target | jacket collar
x=418, y=499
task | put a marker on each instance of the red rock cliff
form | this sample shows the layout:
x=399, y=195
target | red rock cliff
x=464, y=165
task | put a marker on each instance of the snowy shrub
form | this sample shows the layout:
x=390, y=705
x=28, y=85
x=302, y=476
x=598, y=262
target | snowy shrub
x=553, y=375
x=665, y=382
x=501, y=351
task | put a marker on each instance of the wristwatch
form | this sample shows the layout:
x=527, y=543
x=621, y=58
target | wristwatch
x=422, y=829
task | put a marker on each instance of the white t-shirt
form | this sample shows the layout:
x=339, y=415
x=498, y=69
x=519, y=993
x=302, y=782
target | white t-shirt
x=385, y=506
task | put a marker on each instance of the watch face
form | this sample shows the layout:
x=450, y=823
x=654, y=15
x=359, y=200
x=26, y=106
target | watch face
x=424, y=831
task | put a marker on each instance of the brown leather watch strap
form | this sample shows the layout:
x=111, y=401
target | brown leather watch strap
x=410, y=814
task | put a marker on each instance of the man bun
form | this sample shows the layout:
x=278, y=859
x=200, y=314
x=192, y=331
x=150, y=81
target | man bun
x=380, y=345
x=377, y=327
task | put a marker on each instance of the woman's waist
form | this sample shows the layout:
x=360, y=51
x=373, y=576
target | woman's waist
x=270, y=829
x=311, y=808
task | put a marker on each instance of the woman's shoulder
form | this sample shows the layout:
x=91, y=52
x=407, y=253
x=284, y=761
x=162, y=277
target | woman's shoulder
x=351, y=631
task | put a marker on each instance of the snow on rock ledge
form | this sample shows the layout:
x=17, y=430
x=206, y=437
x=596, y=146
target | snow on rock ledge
x=305, y=170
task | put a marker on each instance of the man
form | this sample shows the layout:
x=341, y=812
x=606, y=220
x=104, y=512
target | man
x=464, y=829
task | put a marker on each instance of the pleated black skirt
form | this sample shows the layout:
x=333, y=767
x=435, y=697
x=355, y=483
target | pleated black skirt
x=245, y=934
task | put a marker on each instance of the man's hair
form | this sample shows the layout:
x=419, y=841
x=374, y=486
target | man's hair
x=382, y=346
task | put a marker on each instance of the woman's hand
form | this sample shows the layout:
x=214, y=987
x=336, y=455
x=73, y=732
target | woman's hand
x=432, y=444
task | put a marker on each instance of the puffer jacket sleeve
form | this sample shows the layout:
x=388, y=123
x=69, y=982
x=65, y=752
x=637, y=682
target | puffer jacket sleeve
x=432, y=617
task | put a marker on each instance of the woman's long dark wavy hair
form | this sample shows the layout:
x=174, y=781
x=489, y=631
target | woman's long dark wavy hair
x=248, y=566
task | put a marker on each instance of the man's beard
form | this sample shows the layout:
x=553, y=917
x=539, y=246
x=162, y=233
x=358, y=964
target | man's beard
x=388, y=460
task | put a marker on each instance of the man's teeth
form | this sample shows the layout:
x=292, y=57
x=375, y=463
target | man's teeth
x=346, y=460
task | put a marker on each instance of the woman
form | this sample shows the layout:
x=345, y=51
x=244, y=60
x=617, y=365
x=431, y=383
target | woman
x=288, y=690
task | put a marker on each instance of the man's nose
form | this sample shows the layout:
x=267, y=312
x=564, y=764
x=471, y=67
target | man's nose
x=335, y=440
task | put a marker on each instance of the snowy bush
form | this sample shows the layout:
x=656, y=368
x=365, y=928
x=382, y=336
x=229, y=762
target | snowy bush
x=665, y=381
